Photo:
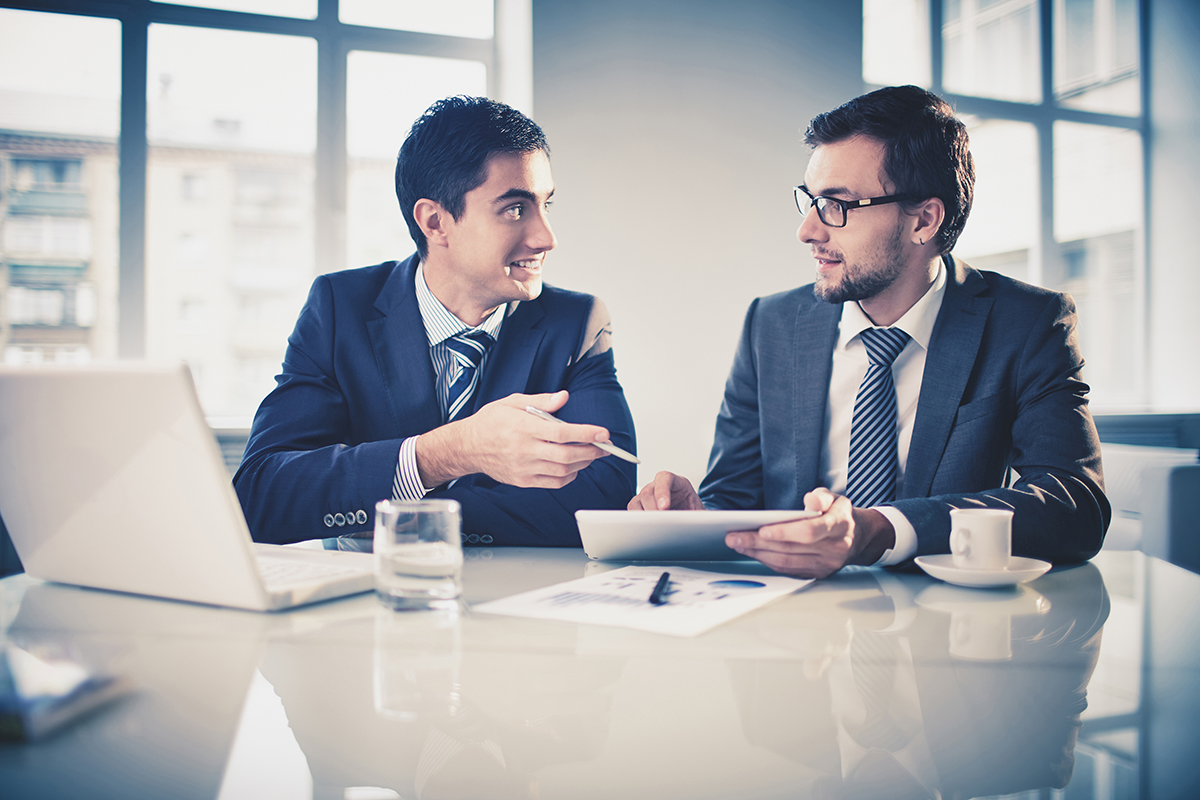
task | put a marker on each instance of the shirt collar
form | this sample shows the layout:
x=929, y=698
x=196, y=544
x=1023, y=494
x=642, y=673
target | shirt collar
x=440, y=324
x=917, y=322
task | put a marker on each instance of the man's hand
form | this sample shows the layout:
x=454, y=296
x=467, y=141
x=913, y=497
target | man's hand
x=819, y=546
x=666, y=491
x=508, y=444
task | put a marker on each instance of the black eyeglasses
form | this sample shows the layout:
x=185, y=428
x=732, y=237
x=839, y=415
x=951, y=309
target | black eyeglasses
x=833, y=211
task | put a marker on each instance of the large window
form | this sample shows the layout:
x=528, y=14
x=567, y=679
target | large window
x=1052, y=94
x=173, y=175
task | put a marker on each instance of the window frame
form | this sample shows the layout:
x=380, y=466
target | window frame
x=1043, y=115
x=334, y=39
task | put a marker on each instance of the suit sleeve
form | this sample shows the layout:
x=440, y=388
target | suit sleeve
x=300, y=469
x=307, y=459
x=496, y=513
x=1061, y=513
x=735, y=465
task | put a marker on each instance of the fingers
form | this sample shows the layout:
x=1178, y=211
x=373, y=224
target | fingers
x=789, y=558
x=811, y=548
x=551, y=402
x=819, y=499
x=666, y=491
x=563, y=432
x=663, y=486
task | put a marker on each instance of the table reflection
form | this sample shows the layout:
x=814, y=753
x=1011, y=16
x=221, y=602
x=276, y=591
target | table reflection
x=425, y=717
x=190, y=666
x=870, y=684
x=934, y=692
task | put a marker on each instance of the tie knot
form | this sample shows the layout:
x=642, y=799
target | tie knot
x=884, y=344
x=470, y=347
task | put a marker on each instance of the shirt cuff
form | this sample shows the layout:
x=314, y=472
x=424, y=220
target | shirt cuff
x=906, y=538
x=407, y=483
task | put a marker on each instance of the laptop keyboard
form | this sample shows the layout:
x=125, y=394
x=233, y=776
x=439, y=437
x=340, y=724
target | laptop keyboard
x=279, y=573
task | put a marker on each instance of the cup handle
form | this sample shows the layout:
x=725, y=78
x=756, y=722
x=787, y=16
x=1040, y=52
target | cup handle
x=960, y=542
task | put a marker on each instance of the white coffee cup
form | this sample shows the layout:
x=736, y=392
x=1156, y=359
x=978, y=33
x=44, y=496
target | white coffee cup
x=981, y=538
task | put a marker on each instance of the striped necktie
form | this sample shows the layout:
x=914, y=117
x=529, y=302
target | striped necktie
x=871, y=479
x=468, y=349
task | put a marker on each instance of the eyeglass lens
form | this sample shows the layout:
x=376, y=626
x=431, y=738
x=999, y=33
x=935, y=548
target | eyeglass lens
x=830, y=211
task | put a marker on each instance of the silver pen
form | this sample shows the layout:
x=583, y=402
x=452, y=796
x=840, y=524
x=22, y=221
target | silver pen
x=608, y=447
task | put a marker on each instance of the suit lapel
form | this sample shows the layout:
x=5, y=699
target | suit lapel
x=816, y=334
x=953, y=350
x=511, y=363
x=402, y=353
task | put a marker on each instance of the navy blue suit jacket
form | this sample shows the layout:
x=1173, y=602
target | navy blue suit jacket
x=1001, y=394
x=357, y=380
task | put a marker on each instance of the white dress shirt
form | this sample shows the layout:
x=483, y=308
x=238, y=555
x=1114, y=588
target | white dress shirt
x=849, y=368
x=440, y=325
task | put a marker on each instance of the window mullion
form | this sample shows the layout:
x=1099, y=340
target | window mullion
x=133, y=150
x=331, y=166
x=936, y=48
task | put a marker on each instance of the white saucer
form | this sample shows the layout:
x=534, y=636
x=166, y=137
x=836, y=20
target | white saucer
x=1019, y=570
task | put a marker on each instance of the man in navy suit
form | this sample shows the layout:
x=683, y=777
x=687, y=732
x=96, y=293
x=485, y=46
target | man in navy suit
x=376, y=398
x=990, y=408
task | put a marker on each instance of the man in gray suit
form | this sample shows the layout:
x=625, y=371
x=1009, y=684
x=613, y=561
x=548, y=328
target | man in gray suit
x=902, y=383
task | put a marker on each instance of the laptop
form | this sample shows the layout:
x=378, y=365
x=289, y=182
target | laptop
x=110, y=478
x=671, y=535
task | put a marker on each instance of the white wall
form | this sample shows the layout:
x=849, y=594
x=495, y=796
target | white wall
x=676, y=130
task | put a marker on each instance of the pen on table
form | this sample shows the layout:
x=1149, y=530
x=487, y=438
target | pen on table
x=660, y=589
x=608, y=447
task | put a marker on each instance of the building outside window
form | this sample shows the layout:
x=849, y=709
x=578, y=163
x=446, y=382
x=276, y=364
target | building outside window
x=1052, y=135
x=262, y=167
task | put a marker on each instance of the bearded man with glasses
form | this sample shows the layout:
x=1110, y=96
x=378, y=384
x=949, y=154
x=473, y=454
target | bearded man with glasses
x=902, y=383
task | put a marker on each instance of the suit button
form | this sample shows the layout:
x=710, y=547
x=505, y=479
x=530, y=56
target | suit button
x=329, y=520
x=339, y=520
x=360, y=517
x=486, y=538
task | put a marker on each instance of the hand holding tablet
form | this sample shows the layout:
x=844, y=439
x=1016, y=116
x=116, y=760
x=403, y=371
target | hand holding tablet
x=671, y=535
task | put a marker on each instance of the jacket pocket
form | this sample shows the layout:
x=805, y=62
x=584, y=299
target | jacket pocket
x=983, y=407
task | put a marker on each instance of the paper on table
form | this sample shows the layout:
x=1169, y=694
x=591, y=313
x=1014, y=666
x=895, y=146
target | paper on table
x=697, y=600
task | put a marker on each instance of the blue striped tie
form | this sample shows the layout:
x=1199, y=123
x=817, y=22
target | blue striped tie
x=871, y=479
x=468, y=349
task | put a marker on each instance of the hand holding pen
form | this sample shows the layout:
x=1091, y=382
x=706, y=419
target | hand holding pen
x=608, y=447
x=505, y=442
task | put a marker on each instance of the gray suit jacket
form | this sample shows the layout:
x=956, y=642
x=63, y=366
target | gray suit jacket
x=1001, y=394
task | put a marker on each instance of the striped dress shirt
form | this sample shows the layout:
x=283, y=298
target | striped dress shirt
x=440, y=325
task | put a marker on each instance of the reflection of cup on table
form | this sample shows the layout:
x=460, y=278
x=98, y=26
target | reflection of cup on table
x=981, y=538
x=981, y=622
x=418, y=553
x=417, y=662
x=981, y=637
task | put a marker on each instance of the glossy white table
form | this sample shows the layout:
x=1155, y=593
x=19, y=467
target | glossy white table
x=986, y=693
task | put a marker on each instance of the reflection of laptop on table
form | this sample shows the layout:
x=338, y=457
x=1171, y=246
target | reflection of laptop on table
x=671, y=535
x=111, y=478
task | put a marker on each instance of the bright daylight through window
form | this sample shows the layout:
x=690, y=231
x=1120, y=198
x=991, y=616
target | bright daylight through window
x=263, y=167
x=1046, y=210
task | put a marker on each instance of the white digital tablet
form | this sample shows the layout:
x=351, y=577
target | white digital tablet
x=670, y=535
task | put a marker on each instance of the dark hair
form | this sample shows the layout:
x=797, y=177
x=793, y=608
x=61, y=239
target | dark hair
x=926, y=150
x=447, y=150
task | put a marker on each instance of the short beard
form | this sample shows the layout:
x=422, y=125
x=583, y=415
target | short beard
x=865, y=279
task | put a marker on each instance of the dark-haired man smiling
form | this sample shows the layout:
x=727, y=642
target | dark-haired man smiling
x=410, y=379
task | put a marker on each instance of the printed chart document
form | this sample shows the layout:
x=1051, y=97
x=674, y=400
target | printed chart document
x=694, y=601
